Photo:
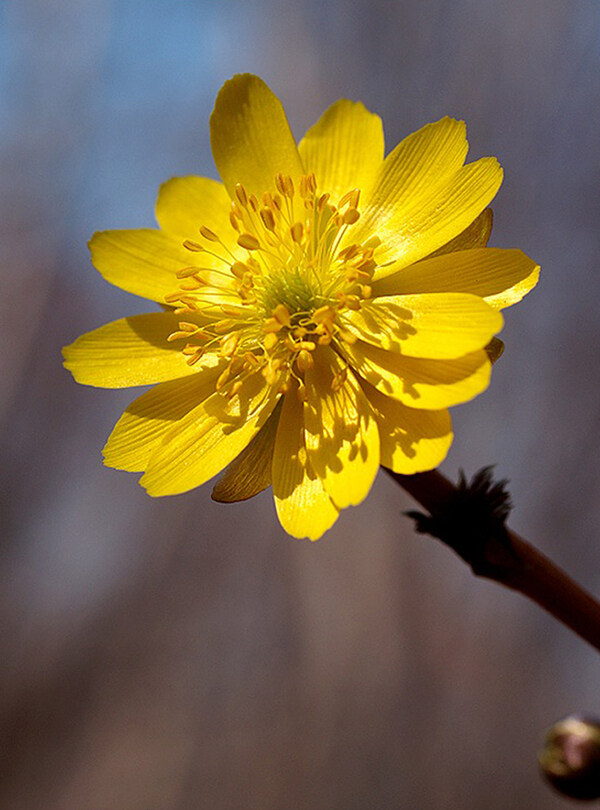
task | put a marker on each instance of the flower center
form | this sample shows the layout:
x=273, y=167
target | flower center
x=278, y=286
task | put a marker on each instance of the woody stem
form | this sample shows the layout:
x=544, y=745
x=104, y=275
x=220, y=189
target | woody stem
x=495, y=552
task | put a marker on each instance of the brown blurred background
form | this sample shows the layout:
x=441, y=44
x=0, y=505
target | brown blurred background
x=181, y=655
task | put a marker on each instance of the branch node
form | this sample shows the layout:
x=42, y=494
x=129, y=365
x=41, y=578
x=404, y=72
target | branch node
x=472, y=522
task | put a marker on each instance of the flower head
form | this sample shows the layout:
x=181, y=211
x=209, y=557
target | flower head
x=324, y=306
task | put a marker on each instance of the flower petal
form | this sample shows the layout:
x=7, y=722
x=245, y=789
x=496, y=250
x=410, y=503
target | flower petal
x=186, y=203
x=303, y=506
x=250, y=472
x=142, y=261
x=250, y=136
x=419, y=383
x=476, y=235
x=344, y=149
x=433, y=216
x=424, y=196
x=411, y=440
x=130, y=351
x=340, y=431
x=418, y=165
x=502, y=277
x=209, y=437
x=434, y=325
x=150, y=417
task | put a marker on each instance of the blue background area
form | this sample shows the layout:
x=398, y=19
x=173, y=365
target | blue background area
x=176, y=653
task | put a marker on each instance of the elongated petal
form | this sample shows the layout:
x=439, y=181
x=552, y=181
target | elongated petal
x=142, y=261
x=150, y=417
x=433, y=216
x=186, y=203
x=130, y=351
x=303, y=506
x=435, y=325
x=502, y=277
x=250, y=472
x=344, y=149
x=411, y=440
x=418, y=165
x=341, y=433
x=476, y=235
x=208, y=438
x=420, y=383
x=250, y=136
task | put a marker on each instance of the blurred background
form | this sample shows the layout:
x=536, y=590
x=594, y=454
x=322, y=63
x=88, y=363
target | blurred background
x=178, y=654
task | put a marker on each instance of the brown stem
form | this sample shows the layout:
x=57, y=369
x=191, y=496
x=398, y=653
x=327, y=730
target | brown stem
x=508, y=559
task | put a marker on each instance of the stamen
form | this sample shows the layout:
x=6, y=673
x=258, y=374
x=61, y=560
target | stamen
x=247, y=241
x=240, y=193
x=208, y=234
x=189, y=244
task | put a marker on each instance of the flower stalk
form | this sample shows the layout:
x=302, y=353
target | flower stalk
x=471, y=520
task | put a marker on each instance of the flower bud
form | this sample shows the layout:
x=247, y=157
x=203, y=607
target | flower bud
x=570, y=758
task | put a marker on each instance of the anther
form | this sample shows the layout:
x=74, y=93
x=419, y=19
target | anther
x=279, y=183
x=350, y=216
x=222, y=378
x=239, y=269
x=268, y=219
x=270, y=341
x=296, y=232
x=322, y=202
x=248, y=241
x=240, y=193
x=177, y=336
x=281, y=314
x=190, y=286
x=208, y=234
x=229, y=344
x=289, y=186
x=304, y=361
x=372, y=242
x=323, y=314
x=189, y=244
x=186, y=272
x=349, y=253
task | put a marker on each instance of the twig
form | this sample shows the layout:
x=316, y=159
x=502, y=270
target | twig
x=470, y=519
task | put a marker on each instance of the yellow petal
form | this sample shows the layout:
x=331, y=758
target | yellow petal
x=142, y=261
x=411, y=440
x=208, y=438
x=150, y=417
x=419, y=383
x=476, y=235
x=435, y=325
x=303, y=506
x=344, y=149
x=250, y=136
x=420, y=164
x=130, y=351
x=500, y=276
x=341, y=434
x=186, y=203
x=145, y=262
x=433, y=216
x=250, y=472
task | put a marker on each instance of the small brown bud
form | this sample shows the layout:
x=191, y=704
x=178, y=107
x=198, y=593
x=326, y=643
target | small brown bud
x=570, y=758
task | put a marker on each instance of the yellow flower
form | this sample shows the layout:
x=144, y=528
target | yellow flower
x=324, y=307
